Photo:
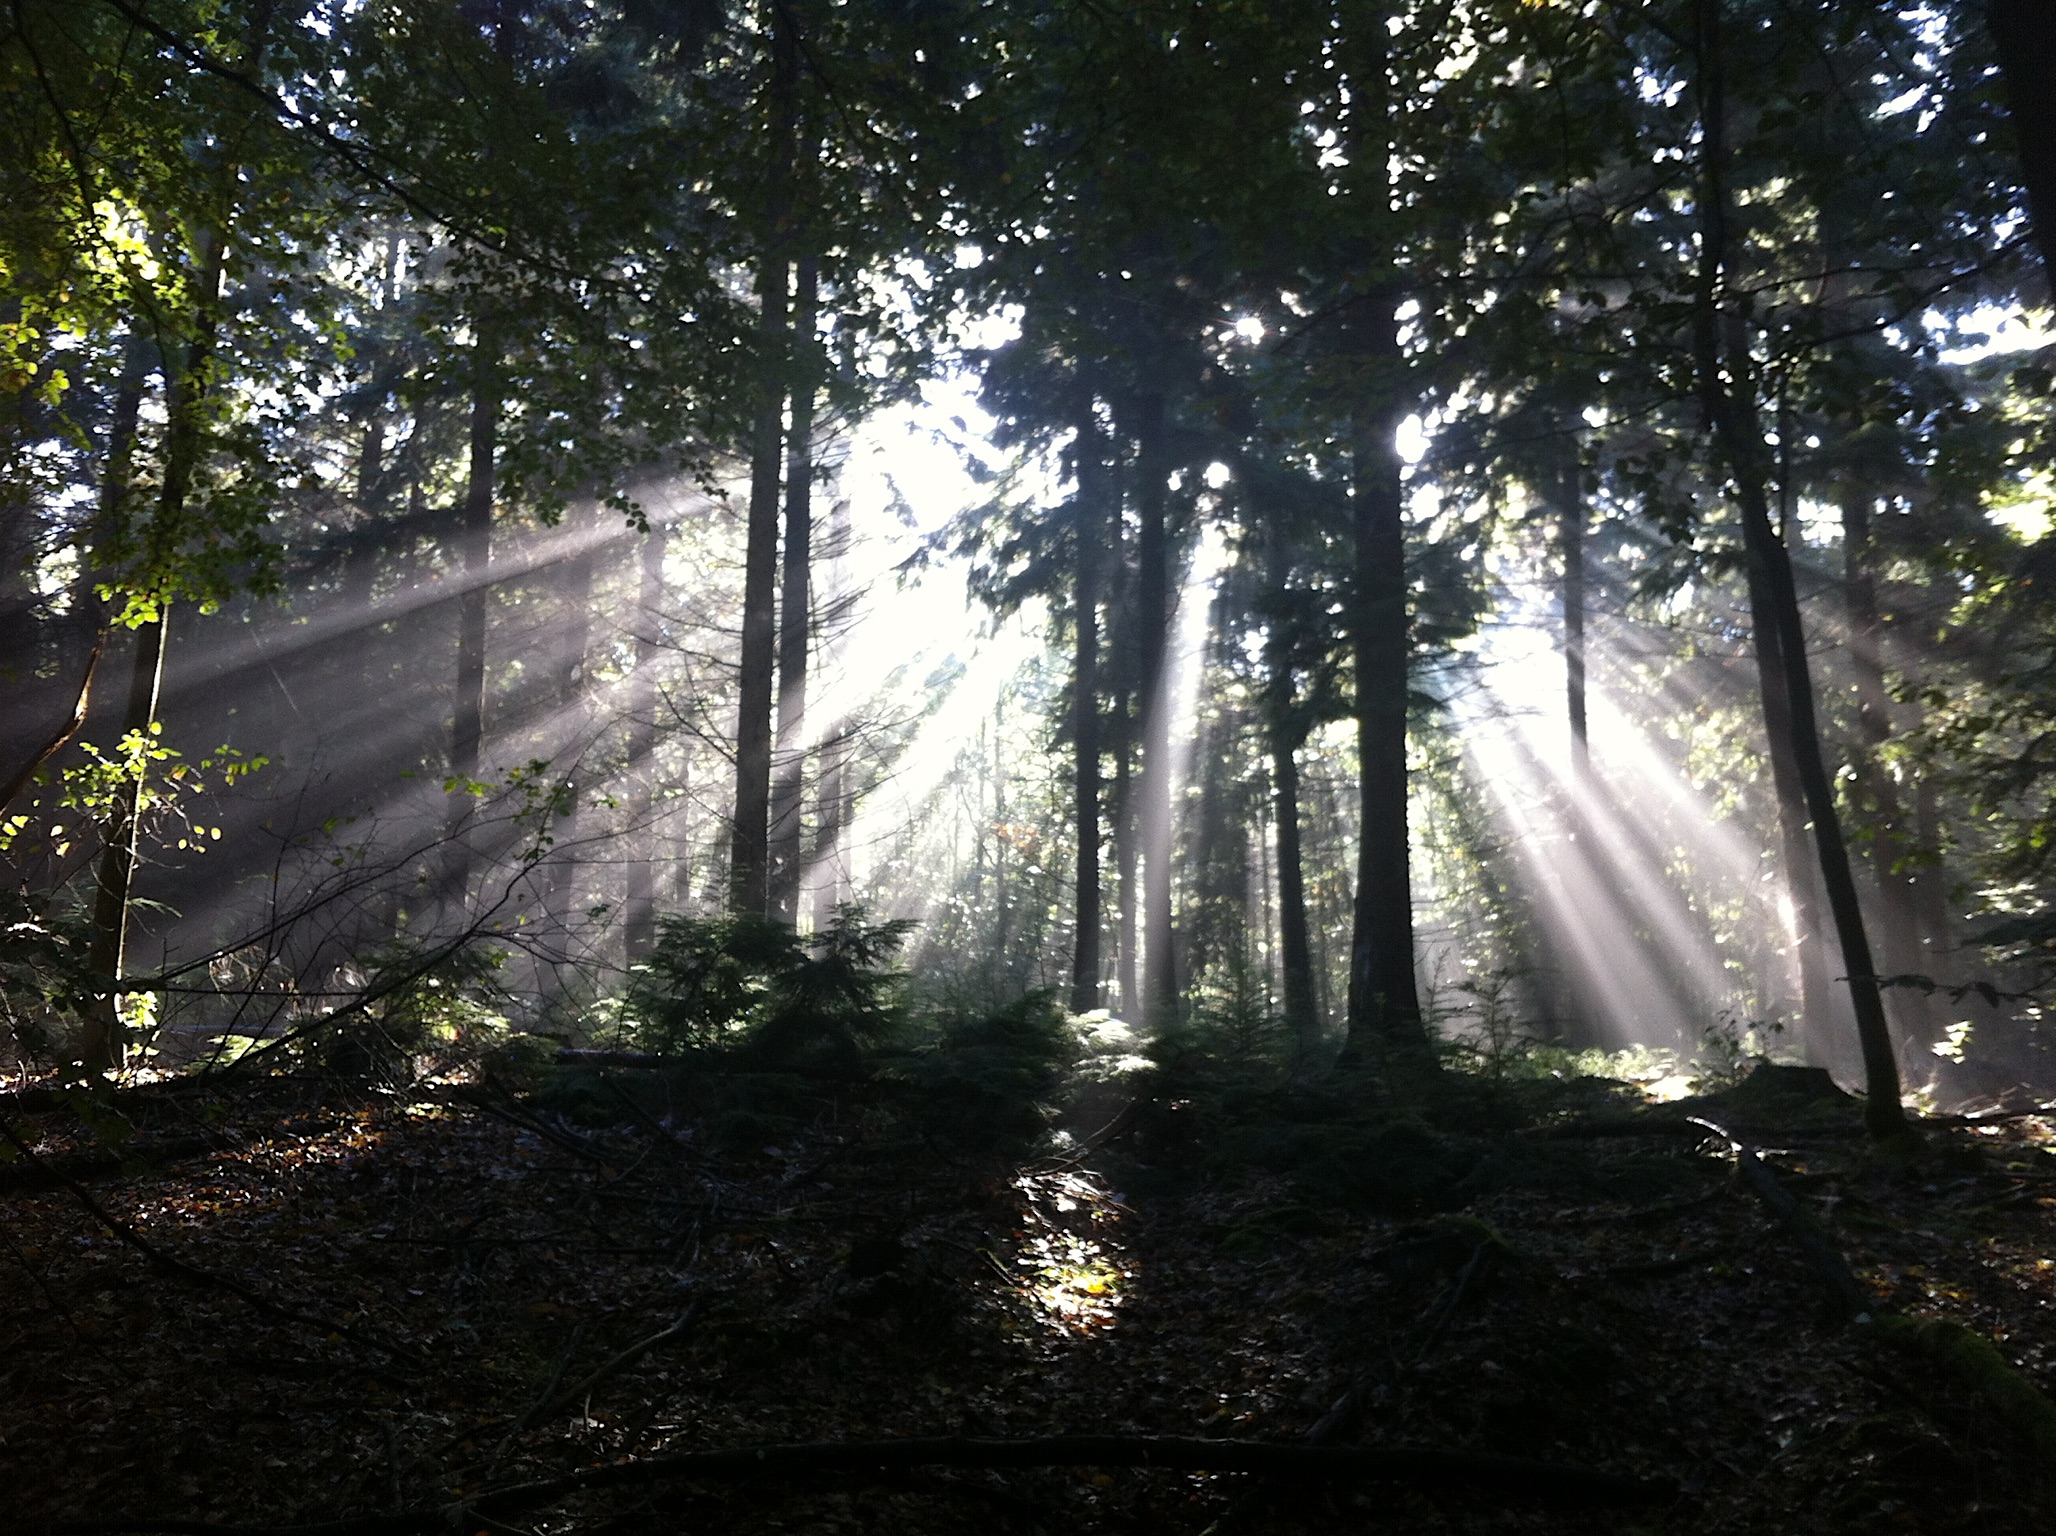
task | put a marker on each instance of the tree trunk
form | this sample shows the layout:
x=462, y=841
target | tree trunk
x=100, y=1041
x=639, y=908
x=833, y=794
x=475, y=538
x=1091, y=520
x=1295, y=943
x=749, y=858
x=1726, y=371
x=1153, y=615
x=1570, y=505
x=749, y=852
x=1384, y=1004
x=795, y=608
x=1891, y=850
x=117, y=465
x=559, y=897
x=2025, y=32
x=1798, y=859
x=1126, y=861
x=185, y=383
x=1565, y=1015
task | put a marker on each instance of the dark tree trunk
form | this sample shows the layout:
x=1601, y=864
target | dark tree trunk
x=749, y=857
x=749, y=851
x=639, y=908
x=475, y=539
x=185, y=396
x=1384, y=1004
x=1091, y=517
x=1891, y=850
x=1570, y=506
x=1295, y=943
x=2025, y=32
x=834, y=794
x=1726, y=372
x=100, y=1041
x=1125, y=856
x=117, y=464
x=1285, y=731
x=559, y=898
x=1558, y=985
x=795, y=610
x=1799, y=860
x=1153, y=615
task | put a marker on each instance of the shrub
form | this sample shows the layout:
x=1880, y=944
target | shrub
x=754, y=990
x=984, y=1083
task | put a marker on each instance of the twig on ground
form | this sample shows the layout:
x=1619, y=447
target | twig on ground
x=1847, y=1299
x=1505, y=1477
x=617, y=1363
x=549, y=1395
x=174, y=1265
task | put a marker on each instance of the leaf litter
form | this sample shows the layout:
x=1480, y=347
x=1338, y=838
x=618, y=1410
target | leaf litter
x=563, y=1295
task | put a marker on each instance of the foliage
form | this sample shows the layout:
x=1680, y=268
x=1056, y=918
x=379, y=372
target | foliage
x=751, y=990
x=43, y=943
x=425, y=1011
x=986, y=1082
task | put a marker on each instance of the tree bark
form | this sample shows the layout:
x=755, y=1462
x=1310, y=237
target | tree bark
x=100, y=1041
x=1891, y=850
x=1570, y=505
x=1285, y=730
x=1091, y=515
x=2025, y=32
x=749, y=859
x=795, y=608
x=1126, y=861
x=1295, y=943
x=559, y=897
x=185, y=385
x=833, y=795
x=475, y=539
x=1384, y=1003
x=117, y=465
x=1798, y=859
x=639, y=908
x=1153, y=614
x=1726, y=371
x=749, y=853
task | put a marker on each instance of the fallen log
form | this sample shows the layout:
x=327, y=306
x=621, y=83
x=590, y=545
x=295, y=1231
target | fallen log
x=53, y=1169
x=579, y=1056
x=1503, y=1477
x=1846, y=1298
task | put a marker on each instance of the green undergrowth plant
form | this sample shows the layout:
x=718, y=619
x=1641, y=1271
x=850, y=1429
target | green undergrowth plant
x=766, y=1031
x=986, y=1079
x=755, y=992
x=425, y=1013
x=1394, y=1140
x=1730, y=1048
x=42, y=974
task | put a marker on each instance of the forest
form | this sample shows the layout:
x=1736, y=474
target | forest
x=1027, y=765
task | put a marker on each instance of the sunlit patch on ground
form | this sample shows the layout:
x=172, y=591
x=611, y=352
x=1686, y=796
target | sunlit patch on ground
x=1069, y=1261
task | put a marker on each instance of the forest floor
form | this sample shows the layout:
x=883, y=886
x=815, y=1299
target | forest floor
x=394, y=1300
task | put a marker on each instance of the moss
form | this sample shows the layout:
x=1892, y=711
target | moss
x=1971, y=1363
